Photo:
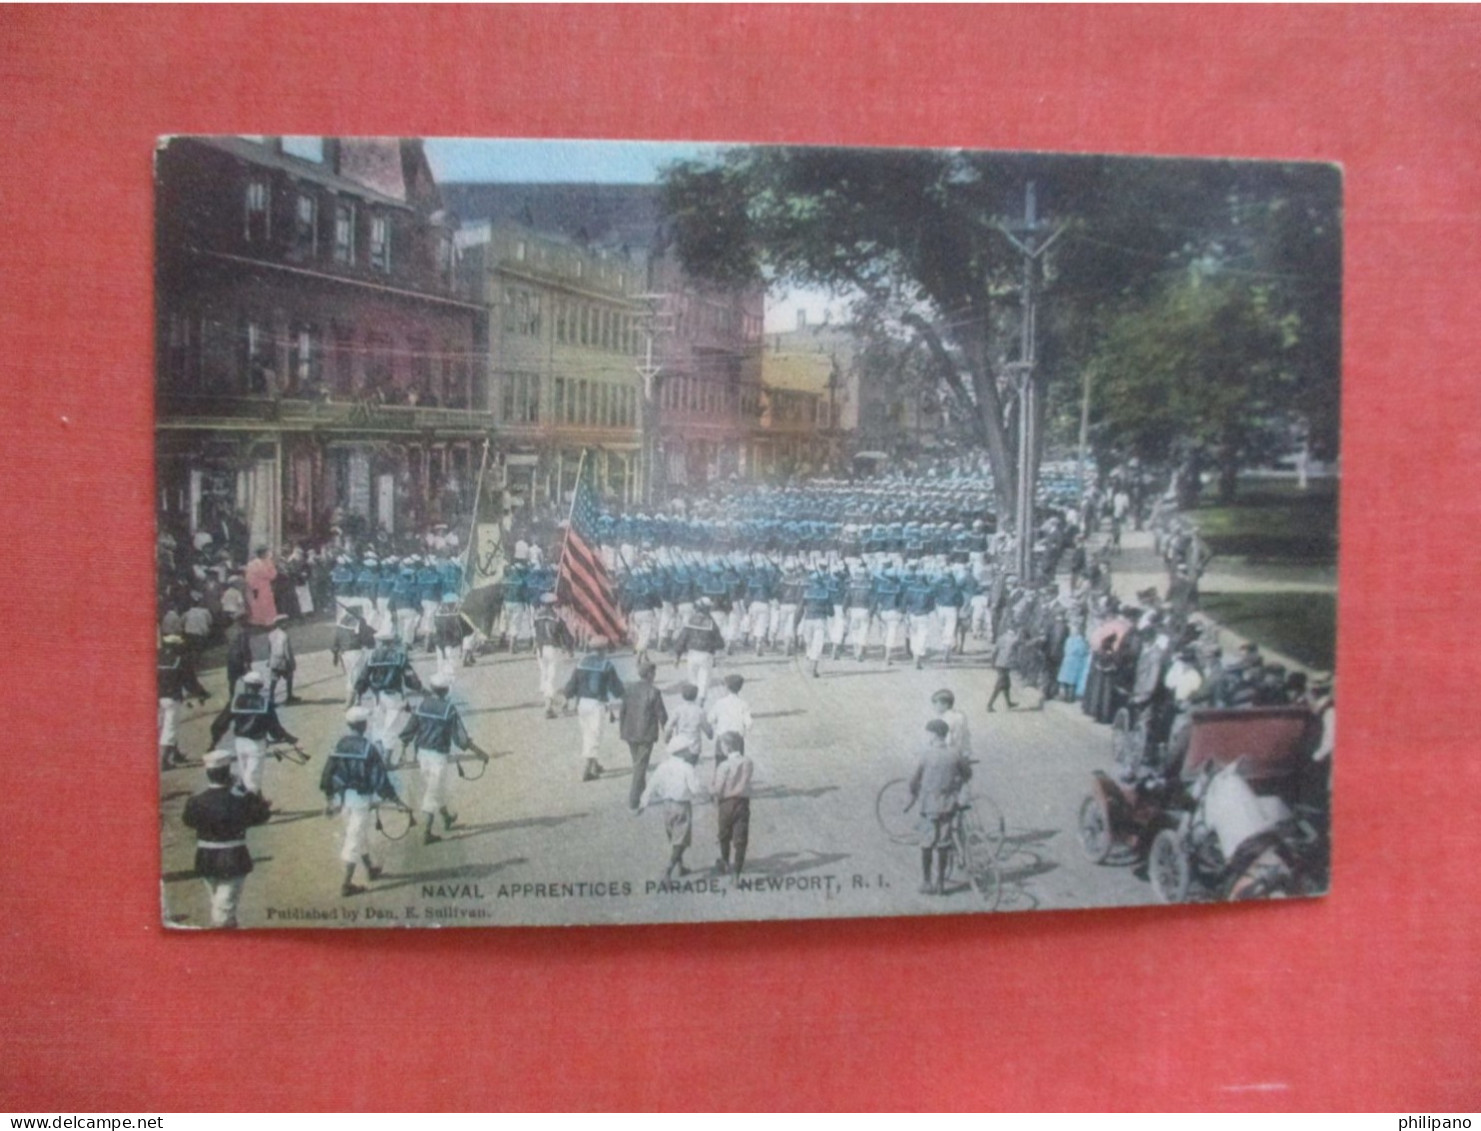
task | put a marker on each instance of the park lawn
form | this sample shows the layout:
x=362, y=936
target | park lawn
x=1301, y=625
x=1271, y=522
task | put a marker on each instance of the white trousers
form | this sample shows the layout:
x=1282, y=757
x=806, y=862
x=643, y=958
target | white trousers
x=169, y=721
x=920, y=633
x=357, y=827
x=351, y=661
x=386, y=718
x=406, y=626
x=891, y=618
x=760, y=613
x=251, y=753
x=643, y=623
x=946, y=618
x=837, y=625
x=589, y=713
x=814, y=632
x=701, y=664
x=858, y=629
x=546, y=659
x=224, y=895
x=786, y=624
x=434, y=767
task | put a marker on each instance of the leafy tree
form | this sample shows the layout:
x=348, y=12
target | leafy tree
x=916, y=238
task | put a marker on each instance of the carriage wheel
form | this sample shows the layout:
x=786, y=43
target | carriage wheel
x=1095, y=829
x=889, y=810
x=1167, y=865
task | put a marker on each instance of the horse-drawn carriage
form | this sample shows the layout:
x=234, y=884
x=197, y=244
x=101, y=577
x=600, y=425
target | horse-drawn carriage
x=1225, y=804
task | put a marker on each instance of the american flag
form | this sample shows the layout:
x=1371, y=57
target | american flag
x=583, y=582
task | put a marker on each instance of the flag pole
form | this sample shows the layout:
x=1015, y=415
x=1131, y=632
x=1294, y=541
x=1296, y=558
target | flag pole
x=560, y=569
x=483, y=467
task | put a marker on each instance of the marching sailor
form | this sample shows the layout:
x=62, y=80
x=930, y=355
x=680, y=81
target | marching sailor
x=551, y=637
x=221, y=816
x=700, y=639
x=354, y=779
x=434, y=728
x=177, y=681
x=253, y=722
x=594, y=685
x=388, y=675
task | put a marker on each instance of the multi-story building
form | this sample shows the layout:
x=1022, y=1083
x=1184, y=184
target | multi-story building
x=564, y=341
x=810, y=400
x=706, y=341
x=318, y=364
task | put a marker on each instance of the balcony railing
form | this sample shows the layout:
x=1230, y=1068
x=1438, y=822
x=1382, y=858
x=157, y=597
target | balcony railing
x=362, y=413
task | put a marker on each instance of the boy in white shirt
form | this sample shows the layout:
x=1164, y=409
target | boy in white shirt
x=730, y=714
x=676, y=785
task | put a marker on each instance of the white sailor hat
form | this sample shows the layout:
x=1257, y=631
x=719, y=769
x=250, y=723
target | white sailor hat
x=385, y=633
x=252, y=679
x=357, y=715
x=449, y=598
x=599, y=642
x=547, y=598
x=174, y=638
x=215, y=759
x=439, y=682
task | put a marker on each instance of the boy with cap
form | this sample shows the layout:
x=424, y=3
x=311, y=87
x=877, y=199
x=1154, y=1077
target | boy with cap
x=221, y=816
x=730, y=714
x=937, y=782
x=354, y=779
x=689, y=726
x=731, y=787
x=676, y=785
x=280, y=661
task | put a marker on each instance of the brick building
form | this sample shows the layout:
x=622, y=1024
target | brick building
x=810, y=400
x=317, y=361
x=707, y=341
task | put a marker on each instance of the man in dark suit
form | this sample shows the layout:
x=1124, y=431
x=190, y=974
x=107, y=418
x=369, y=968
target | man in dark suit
x=642, y=719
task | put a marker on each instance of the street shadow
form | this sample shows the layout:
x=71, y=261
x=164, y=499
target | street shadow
x=174, y=795
x=468, y=832
x=333, y=701
x=790, y=863
x=289, y=816
x=501, y=710
x=782, y=792
x=779, y=714
x=861, y=671
x=464, y=873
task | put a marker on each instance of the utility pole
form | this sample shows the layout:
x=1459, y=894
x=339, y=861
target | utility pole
x=1085, y=425
x=649, y=370
x=1026, y=238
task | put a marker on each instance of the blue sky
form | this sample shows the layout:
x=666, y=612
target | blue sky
x=526, y=160
x=529, y=159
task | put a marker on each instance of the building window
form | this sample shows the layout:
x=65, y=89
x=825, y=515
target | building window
x=560, y=320
x=344, y=358
x=258, y=224
x=581, y=396
x=256, y=359
x=558, y=403
x=447, y=259
x=304, y=361
x=344, y=232
x=380, y=243
x=379, y=366
x=305, y=225
x=420, y=358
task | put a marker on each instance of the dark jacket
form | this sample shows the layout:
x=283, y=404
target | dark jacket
x=643, y=713
x=221, y=816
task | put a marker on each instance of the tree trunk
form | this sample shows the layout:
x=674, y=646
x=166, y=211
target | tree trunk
x=1228, y=473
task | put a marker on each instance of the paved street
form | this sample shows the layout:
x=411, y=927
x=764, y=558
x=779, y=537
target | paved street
x=823, y=748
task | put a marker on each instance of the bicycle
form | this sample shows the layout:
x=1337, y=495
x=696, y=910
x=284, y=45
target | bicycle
x=978, y=836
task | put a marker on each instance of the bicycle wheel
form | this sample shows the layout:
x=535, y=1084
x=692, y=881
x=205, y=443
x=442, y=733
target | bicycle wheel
x=986, y=827
x=890, y=811
x=972, y=860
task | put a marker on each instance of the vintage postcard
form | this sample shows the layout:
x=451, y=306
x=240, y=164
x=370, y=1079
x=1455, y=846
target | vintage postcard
x=608, y=532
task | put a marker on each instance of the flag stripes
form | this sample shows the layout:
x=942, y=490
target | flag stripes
x=583, y=582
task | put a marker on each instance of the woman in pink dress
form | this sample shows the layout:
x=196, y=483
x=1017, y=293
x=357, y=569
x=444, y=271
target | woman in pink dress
x=261, y=608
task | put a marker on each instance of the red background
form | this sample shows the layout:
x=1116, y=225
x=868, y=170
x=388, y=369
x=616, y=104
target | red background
x=1367, y=999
